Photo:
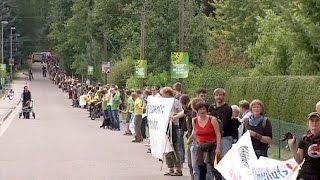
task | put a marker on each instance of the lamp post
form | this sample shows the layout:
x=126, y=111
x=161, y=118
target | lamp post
x=2, y=58
x=2, y=24
x=11, y=63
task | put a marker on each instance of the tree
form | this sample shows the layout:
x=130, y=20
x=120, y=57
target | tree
x=287, y=45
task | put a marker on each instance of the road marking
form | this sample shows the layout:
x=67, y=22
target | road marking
x=5, y=125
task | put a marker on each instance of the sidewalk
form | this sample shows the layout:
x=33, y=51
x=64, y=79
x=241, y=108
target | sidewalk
x=6, y=105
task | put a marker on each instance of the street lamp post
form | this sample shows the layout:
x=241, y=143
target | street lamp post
x=2, y=57
x=11, y=57
x=2, y=24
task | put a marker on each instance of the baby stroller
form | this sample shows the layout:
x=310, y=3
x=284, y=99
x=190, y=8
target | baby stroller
x=27, y=110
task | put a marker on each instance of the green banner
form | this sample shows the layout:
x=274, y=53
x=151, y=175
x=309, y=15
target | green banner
x=90, y=70
x=3, y=70
x=141, y=68
x=180, y=65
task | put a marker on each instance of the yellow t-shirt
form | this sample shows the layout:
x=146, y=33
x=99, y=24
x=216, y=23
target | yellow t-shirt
x=138, y=106
x=87, y=99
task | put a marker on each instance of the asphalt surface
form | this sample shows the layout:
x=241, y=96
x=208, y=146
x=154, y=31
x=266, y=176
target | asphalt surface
x=62, y=143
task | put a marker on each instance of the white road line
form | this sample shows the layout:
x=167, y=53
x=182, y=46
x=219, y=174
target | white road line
x=5, y=125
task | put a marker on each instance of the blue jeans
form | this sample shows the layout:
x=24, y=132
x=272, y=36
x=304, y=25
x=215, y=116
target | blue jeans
x=107, y=114
x=116, y=120
x=181, y=145
x=196, y=169
x=226, y=142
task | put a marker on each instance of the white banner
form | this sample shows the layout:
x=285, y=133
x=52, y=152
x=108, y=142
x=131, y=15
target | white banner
x=82, y=101
x=241, y=163
x=159, y=110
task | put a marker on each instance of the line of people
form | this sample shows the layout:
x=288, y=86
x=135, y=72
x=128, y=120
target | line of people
x=199, y=130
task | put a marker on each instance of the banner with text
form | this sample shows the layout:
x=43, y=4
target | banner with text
x=106, y=67
x=158, y=113
x=241, y=163
x=90, y=70
x=180, y=65
x=141, y=68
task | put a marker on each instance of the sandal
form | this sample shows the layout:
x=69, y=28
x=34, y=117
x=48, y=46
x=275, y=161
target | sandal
x=177, y=173
x=170, y=173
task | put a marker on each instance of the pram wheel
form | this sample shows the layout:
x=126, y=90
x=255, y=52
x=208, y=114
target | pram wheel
x=26, y=115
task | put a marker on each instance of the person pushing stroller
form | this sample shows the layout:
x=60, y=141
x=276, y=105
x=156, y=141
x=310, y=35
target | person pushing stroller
x=26, y=103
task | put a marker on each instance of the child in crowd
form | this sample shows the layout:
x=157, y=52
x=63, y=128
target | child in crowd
x=235, y=122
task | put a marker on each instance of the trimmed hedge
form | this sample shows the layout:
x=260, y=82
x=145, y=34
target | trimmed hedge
x=290, y=98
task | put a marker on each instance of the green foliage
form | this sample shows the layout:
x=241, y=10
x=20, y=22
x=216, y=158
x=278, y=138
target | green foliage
x=210, y=78
x=159, y=79
x=283, y=46
x=133, y=83
x=120, y=72
x=153, y=79
x=290, y=98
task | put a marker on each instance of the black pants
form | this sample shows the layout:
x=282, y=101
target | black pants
x=144, y=127
x=203, y=172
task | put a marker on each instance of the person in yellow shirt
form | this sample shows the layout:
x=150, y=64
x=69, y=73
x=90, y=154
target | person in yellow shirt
x=106, y=109
x=138, y=110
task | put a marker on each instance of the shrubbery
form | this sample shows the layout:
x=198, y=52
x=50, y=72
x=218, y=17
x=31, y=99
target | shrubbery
x=290, y=98
x=120, y=72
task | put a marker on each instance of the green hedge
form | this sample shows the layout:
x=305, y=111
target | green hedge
x=289, y=98
x=210, y=78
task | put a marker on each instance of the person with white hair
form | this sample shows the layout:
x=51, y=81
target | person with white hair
x=318, y=107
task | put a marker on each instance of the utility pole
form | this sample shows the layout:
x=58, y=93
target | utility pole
x=143, y=31
x=11, y=56
x=143, y=35
x=181, y=24
x=2, y=39
x=105, y=53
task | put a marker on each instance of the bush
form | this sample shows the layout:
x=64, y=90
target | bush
x=290, y=98
x=120, y=72
x=133, y=83
x=159, y=79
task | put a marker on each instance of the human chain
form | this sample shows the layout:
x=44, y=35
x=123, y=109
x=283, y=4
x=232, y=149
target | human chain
x=210, y=128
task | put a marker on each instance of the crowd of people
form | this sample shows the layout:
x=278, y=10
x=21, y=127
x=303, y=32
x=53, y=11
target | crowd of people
x=200, y=130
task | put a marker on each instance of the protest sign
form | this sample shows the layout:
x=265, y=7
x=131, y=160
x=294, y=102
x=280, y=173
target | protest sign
x=241, y=163
x=179, y=65
x=158, y=112
x=141, y=68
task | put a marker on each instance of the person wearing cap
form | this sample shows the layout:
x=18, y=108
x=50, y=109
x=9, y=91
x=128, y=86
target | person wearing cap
x=308, y=150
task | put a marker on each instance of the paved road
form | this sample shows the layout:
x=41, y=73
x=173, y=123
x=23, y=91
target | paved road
x=7, y=105
x=63, y=144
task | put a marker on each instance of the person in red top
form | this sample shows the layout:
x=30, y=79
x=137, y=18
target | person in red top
x=207, y=135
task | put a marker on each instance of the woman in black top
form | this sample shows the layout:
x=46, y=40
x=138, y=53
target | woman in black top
x=308, y=150
x=260, y=128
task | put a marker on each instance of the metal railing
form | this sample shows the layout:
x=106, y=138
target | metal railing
x=279, y=149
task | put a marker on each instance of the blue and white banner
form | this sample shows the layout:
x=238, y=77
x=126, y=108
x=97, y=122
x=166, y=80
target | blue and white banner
x=158, y=113
x=241, y=163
